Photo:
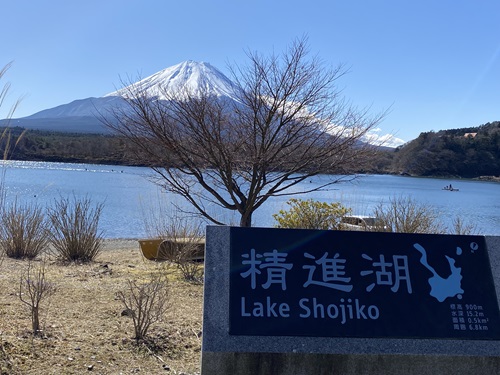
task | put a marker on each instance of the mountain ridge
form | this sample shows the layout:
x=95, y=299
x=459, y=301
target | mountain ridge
x=82, y=115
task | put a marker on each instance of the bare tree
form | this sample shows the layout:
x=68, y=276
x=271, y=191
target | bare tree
x=289, y=123
x=33, y=289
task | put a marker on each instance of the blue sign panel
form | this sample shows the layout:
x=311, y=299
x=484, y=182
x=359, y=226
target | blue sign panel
x=290, y=282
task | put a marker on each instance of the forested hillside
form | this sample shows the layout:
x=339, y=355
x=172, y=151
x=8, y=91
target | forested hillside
x=467, y=152
x=66, y=147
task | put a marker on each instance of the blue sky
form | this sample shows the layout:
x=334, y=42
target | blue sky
x=434, y=63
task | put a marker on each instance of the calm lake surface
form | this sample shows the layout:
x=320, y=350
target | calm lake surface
x=130, y=198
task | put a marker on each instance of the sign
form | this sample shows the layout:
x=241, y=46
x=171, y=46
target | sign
x=287, y=282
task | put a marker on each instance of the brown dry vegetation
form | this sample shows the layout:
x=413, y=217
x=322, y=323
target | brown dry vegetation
x=83, y=330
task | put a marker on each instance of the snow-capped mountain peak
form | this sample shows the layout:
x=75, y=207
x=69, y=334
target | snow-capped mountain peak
x=84, y=115
x=188, y=75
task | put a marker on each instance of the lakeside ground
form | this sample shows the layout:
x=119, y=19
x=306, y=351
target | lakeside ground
x=84, y=331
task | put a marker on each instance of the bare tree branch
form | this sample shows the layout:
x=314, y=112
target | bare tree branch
x=289, y=123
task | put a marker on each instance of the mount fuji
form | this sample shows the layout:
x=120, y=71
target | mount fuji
x=195, y=77
x=82, y=116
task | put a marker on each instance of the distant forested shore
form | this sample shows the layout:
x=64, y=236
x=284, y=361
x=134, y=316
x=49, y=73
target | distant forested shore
x=467, y=153
x=464, y=153
x=39, y=145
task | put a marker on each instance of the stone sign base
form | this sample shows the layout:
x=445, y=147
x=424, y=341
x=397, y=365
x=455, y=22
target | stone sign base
x=319, y=364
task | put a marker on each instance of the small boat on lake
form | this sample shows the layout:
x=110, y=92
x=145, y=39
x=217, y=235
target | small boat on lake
x=450, y=188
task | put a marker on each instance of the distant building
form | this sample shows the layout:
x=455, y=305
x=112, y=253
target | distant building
x=470, y=135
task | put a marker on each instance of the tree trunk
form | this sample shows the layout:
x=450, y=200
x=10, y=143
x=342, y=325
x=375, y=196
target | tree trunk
x=35, y=321
x=246, y=219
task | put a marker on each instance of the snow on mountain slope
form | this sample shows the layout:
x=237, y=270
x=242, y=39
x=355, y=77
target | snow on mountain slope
x=194, y=76
x=83, y=115
x=81, y=107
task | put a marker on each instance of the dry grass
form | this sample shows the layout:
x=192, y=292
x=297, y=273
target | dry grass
x=83, y=330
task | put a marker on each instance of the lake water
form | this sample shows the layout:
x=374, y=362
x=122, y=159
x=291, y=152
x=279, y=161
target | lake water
x=130, y=197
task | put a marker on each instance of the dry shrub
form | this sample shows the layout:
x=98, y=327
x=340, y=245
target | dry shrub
x=33, y=289
x=2, y=255
x=183, y=239
x=187, y=254
x=6, y=366
x=75, y=235
x=461, y=227
x=184, y=245
x=88, y=326
x=311, y=214
x=7, y=143
x=145, y=302
x=406, y=215
x=156, y=215
x=23, y=231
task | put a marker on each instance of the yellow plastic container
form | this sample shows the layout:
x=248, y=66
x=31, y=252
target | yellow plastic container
x=150, y=247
